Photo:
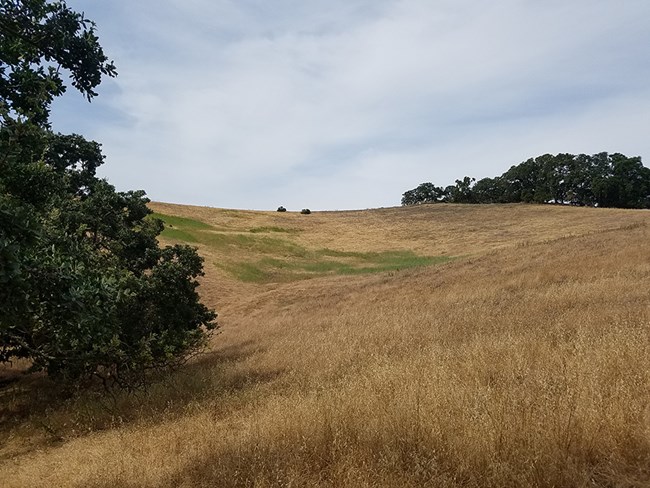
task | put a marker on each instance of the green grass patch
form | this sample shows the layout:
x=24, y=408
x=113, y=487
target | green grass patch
x=179, y=235
x=197, y=232
x=253, y=244
x=247, y=272
x=257, y=257
x=182, y=223
x=258, y=230
x=320, y=263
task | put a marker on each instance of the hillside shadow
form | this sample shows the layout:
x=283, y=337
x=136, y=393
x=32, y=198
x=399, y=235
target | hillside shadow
x=35, y=404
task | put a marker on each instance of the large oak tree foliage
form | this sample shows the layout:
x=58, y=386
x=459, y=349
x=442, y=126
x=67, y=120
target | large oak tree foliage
x=85, y=288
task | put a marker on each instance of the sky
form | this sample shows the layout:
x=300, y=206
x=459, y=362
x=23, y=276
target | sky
x=346, y=104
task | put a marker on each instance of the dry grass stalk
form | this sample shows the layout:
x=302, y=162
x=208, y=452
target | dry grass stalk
x=525, y=363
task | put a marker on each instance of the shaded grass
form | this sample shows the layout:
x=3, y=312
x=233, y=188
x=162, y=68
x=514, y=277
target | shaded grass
x=45, y=414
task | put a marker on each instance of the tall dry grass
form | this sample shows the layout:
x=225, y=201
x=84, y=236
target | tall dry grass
x=522, y=365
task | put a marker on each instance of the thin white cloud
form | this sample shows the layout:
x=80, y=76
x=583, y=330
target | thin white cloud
x=346, y=104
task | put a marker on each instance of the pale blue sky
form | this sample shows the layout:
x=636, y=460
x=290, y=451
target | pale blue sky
x=344, y=104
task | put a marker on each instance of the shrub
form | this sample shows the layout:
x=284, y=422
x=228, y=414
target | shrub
x=305, y=211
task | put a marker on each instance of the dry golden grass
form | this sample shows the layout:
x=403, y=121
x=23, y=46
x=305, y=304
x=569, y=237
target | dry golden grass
x=523, y=363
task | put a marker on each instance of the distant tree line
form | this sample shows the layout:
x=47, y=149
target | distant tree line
x=603, y=180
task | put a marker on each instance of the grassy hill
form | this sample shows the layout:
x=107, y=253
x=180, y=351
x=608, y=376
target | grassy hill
x=445, y=345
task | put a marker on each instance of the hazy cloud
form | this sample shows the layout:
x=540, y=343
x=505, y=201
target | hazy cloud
x=346, y=104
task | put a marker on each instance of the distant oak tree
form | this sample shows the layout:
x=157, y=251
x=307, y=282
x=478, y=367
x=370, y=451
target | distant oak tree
x=602, y=180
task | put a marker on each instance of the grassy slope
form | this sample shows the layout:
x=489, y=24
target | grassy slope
x=260, y=255
x=521, y=363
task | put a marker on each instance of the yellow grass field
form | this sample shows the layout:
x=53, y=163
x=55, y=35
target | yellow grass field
x=438, y=345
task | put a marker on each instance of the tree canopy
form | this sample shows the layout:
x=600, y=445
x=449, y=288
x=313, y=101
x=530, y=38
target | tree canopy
x=602, y=180
x=85, y=289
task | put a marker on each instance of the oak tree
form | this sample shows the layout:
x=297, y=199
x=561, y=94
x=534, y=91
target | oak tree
x=85, y=288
